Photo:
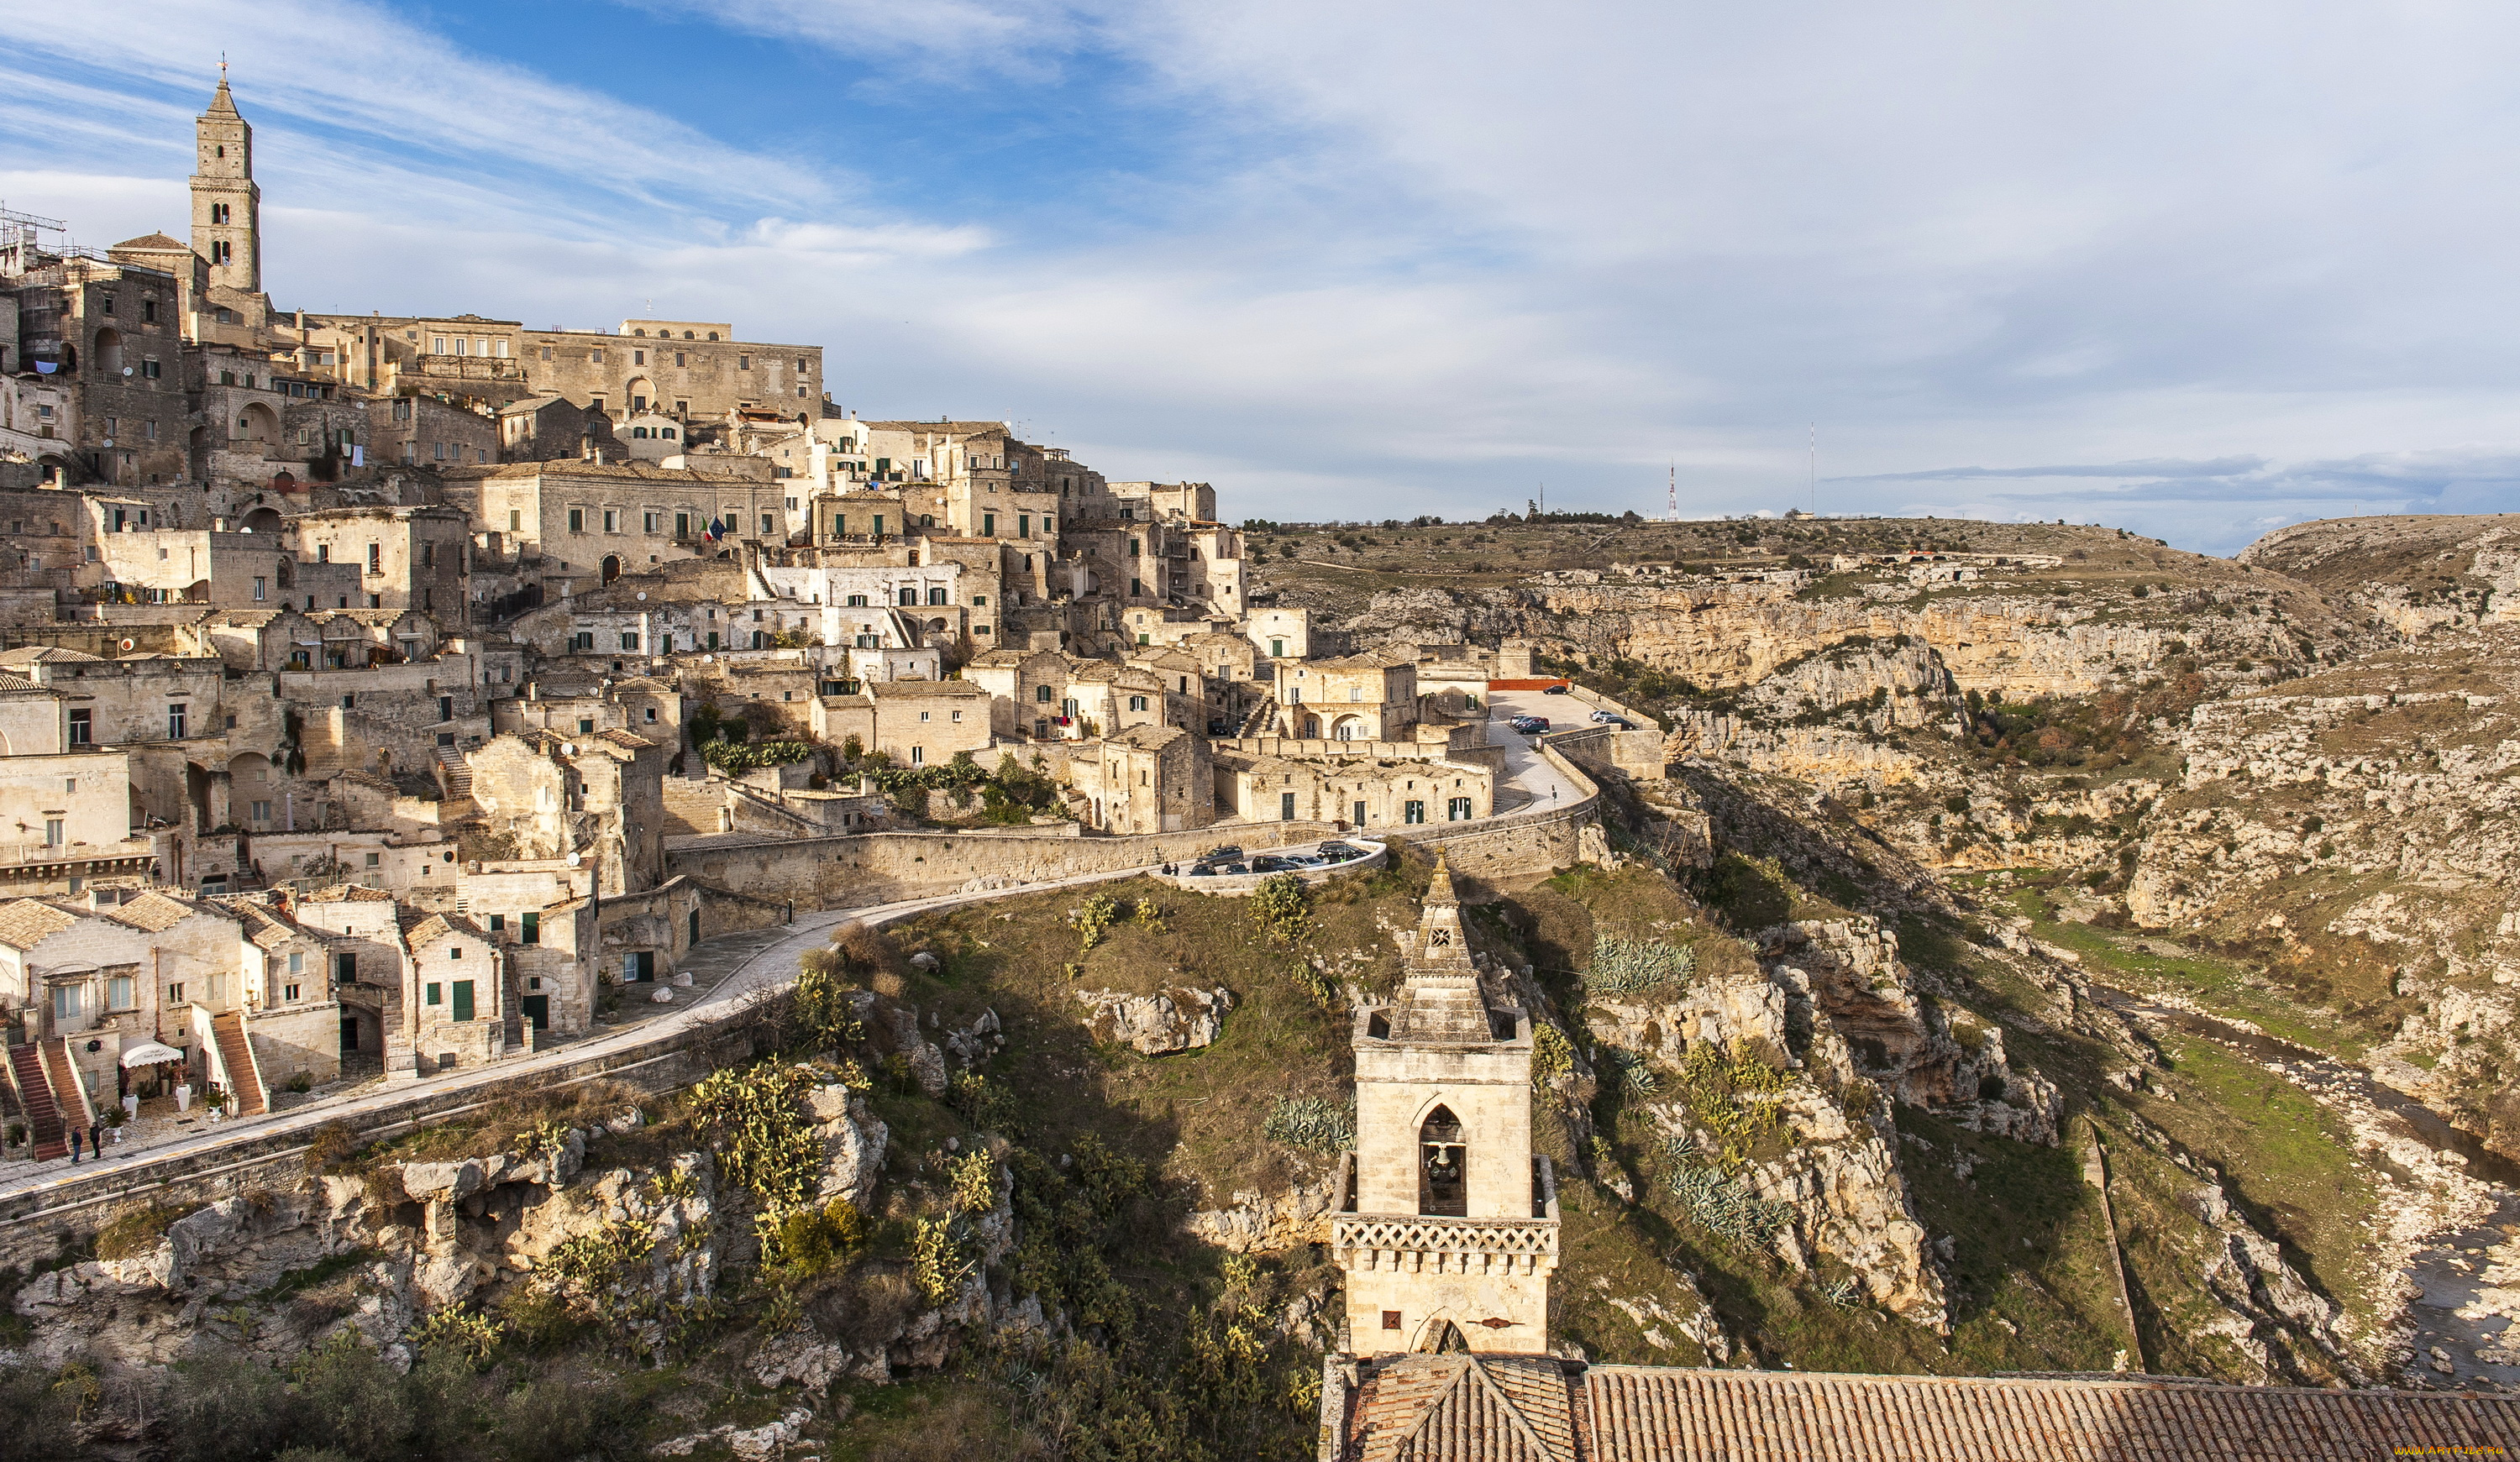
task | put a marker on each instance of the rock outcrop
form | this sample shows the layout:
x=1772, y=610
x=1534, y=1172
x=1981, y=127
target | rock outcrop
x=1176, y=1018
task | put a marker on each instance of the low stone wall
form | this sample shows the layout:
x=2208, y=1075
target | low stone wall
x=1237, y=885
x=1519, y=845
x=882, y=867
x=1608, y=750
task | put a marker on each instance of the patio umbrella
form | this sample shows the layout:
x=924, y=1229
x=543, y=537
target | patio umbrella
x=150, y=1053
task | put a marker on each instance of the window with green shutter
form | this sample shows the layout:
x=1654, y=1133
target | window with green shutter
x=463, y=999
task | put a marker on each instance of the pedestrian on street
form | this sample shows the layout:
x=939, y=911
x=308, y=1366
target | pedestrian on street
x=96, y=1140
x=74, y=1146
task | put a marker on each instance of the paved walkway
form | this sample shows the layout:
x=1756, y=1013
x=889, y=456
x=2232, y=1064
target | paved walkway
x=739, y=965
x=1530, y=782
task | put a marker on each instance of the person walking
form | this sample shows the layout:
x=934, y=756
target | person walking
x=74, y=1146
x=96, y=1141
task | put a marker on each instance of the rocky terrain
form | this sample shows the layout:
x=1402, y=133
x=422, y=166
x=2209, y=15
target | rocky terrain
x=2043, y=950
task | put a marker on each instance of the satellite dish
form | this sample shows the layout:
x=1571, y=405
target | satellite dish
x=126, y=370
x=572, y=859
x=642, y=595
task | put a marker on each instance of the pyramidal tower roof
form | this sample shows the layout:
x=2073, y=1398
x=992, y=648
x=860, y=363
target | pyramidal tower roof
x=221, y=104
x=1439, y=1001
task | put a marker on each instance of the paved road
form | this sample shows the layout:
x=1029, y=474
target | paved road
x=1530, y=781
x=760, y=959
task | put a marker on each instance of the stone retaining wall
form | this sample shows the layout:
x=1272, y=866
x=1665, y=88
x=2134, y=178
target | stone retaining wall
x=882, y=868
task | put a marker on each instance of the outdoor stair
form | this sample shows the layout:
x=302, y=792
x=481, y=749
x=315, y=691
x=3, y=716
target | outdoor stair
x=35, y=1095
x=70, y=1099
x=236, y=1053
x=455, y=774
x=1257, y=723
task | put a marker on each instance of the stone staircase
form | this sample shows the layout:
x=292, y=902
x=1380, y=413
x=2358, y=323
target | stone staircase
x=455, y=774
x=1257, y=723
x=244, y=1075
x=70, y=1099
x=35, y=1097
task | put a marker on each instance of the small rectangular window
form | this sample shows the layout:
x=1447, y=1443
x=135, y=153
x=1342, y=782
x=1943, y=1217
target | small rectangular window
x=577, y=520
x=434, y=994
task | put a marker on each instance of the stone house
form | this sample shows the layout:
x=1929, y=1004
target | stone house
x=113, y=974
x=593, y=521
x=1358, y=794
x=1146, y=779
x=429, y=431
x=920, y=723
x=598, y=795
x=552, y=429
x=453, y=994
x=1280, y=634
x=410, y=558
x=295, y=1024
x=1354, y=698
x=1023, y=685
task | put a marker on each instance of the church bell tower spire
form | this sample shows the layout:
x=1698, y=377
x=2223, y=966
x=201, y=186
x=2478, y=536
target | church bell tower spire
x=227, y=203
x=1453, y=1233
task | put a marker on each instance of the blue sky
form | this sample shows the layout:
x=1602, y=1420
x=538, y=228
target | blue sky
x=2197, y=269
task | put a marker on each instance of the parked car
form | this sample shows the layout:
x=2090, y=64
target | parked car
x=1268, y=863
x=1222, y=868
x=1562, y=688
x=1203, y=871
x=1340, y=852
x=1530, y=726
x=1220, y=853
x=1613, y=718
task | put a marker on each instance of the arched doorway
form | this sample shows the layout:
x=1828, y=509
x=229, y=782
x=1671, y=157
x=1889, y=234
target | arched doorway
x=263, y=521
x=257, y=422
x=612, y=568
x=1349, y=728
x=109, y=351
x=643, y=394
x=1443, y=1161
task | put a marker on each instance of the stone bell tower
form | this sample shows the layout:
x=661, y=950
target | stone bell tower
x=1452, y=1234
x=227, y=202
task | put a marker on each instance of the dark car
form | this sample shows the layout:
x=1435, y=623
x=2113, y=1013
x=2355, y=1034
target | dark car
x=1203, y=871
x=1222, y=868
x=1340, y=852
x=1219, y=853
x=1557, y=691
x=1529, y=724
x=1270, y=864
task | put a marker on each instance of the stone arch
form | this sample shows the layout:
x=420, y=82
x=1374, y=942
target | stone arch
x=264, y=520
x=257, y=422
x=642, y=393
x=1437, y=1335
x=936, y=626
x=109, y=351
x=1443, y=1166
x=248, y=768
x=1349, y=728
x=612, y=567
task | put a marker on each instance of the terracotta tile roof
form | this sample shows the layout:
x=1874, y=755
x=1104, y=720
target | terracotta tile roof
x=25, y=922
x=1463, y=1408
x=627, y=740
x=156, y=911
x=419, y=928
x=1650, y=1413
x=33, y=655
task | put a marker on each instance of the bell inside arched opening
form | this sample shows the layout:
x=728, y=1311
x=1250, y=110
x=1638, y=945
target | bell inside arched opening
x=1442, y=1166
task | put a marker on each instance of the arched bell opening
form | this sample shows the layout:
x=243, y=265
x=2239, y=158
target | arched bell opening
x=1443, y=1161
